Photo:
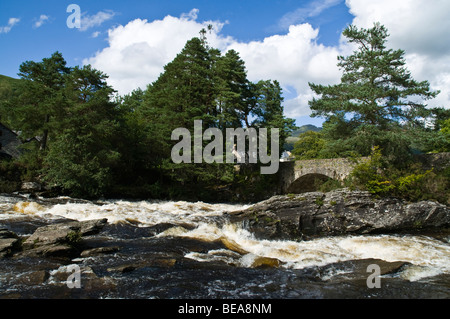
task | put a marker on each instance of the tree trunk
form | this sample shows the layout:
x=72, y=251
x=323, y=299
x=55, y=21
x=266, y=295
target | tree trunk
x=45, y=135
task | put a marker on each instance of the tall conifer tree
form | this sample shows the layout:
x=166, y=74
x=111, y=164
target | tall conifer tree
x=377, y=103
x=39, y=107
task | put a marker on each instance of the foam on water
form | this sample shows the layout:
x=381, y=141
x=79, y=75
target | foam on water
x=428, y=256
x=141, y=213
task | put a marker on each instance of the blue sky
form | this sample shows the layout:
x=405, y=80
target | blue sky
x=293, y=41
x=246, y=21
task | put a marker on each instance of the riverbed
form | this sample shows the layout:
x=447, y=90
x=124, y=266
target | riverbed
x=186, y=250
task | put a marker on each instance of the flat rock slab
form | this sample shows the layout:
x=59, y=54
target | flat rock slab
x=340, y=212
x=63, y=233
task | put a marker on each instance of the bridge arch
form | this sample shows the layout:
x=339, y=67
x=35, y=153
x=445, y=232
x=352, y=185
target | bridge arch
x=308, y=175
x=307, y=183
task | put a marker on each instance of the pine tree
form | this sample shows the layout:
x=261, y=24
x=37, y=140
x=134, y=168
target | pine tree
x=182, y=93
x=232, y=90
x=202, y=84
x=377, y=102
x=38, y=109
x=83, y=152
x=269, y=111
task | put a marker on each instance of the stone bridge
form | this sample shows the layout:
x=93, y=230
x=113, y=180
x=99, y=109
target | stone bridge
x=307, y=175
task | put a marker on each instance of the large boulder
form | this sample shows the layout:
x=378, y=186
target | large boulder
x=61, y=239
x=340, y=212
x=64, y=233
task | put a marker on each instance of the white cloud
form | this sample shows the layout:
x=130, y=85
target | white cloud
x=95, y=20
x=313, y=9
x=95, y=34
x=421, y=29
x=294, y=60
x=138, y=51
x=11, y=23
x=42, y=19
x=415, y=25
x=192, y=15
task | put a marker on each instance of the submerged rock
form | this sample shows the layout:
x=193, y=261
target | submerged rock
x=66, y=233
x=99, y=251
x=53, y=250
x=266, y=262
x=33, y=278
x=233, y=246
x=340, y=212
x=9, y=243
x=358, y=269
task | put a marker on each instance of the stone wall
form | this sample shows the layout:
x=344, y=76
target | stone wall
x=336, y=168
x=286, y=176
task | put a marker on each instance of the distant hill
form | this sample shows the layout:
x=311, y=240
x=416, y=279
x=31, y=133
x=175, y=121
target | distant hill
x=290, y=141
x=9, y=80
x=305, y=128
x=8, y=86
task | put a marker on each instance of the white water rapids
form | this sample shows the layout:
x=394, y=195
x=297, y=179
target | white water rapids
x=428, y=256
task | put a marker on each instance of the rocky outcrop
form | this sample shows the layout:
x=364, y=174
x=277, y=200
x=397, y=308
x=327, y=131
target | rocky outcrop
x=61, y=240
x=340, y=212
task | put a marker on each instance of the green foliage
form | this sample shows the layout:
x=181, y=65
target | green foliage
x=294, y=137
x=443, y=144
x=39, y=107
x=82, y=153
x=269, y=111
x=445, y=130
x=309, y=146
x=376, y=103
x=202, y=84
x=73, y=238
x=31, y=161
x=9, y=89
x=305, y=128
x=79, y=165
x=319, y=201
x=329, y=185
x=369, y=174
x=10, y=176
x=413, y=183
x=88, y=144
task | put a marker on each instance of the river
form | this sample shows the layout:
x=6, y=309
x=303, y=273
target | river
x=170, y=250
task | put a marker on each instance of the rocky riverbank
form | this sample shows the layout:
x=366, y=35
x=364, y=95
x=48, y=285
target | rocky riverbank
x=340, y=212
x=288, y=217
x=190, y=250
